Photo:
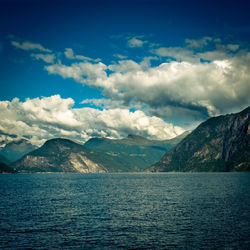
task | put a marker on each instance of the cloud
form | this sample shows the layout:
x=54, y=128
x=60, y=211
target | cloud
x=197, y=49
x=205, y=78
x=48, y=58
x=85, y=73
x=211, y=88
x=135, y=42
x=48, y=117
x=30, y=46
x=106, y=103
x=69, y=53
x=204, y=89
x=233, y=47
x=146, y=62
x=120, y=56
x=198, y=43
x=125, y=66
x=178, y=53
x=214, y=55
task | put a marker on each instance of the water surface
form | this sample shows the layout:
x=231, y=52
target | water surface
x=110, y=211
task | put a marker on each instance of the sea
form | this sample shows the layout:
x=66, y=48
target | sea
x=125, y=211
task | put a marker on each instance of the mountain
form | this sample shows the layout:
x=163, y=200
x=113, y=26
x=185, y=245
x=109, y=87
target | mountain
x=58, y=155
x=4, y=160
x=133, y=153
x=219, y=144
x=15, y=149
x=5, y=169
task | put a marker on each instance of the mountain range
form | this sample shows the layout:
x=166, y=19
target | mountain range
x=221, y=143
x=131, y=154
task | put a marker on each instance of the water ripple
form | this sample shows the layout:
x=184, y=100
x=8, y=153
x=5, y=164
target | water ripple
x=132, y=211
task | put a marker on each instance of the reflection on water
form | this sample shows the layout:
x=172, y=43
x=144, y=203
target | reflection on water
x=184, y=211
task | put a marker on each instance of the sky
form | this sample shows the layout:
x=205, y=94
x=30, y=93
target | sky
x=155, y=68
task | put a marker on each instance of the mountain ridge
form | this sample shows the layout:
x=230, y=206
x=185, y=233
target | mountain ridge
x=133, y=153
x=130, y=154
x=58, y=155
x=221, y=143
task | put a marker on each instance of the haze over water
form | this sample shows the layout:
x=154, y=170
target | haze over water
x=108, y=211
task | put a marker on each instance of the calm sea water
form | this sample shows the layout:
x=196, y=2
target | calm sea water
x=110, y=211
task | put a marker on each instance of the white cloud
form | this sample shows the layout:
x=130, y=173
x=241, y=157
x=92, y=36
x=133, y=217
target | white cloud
x=85, y=73
x=204, y=88
x=135, y=42
x=146, y=62
x=106, y=103
x=69, y=53
x=182, y=84
x=195, y=50
x=49, y=117
x=48, y=58
x=30, y=46
x=214, y=55
x=198, y=43
x=233, y=47
x=120, y=56
x=178, y=53
x=125, y=66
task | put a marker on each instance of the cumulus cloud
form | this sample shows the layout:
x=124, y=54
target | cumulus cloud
x=49, y=117
x=146, y=62
x=106, y=103
x=120, y=56
x=213, y=55
x=233, y=47
x=178, y=53
x=196, y=49
x=48, y=58
x=69, y=53
x=198, y=43
x=84, y=72
x=135, y=42
x=208, y=89
x=30, y=46
x=190, y=82
x=125, y=66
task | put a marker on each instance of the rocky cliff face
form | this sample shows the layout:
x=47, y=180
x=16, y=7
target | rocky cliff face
x=219, y=144
x=58, y=155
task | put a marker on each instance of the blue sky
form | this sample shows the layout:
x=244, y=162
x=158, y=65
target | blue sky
x=79, y=69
